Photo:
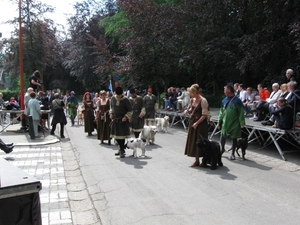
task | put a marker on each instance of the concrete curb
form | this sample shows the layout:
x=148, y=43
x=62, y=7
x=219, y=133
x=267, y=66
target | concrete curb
x=38, y=142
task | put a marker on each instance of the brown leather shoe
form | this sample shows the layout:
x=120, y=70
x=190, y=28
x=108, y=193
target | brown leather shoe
x=195, y=164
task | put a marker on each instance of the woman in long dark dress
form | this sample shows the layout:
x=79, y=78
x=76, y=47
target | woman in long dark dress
x=102, y=118
x=88, y=111
x=59, y=115
x=198, y=110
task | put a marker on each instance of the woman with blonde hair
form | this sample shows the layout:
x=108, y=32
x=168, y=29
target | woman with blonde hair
x=102, y=118
x=284, y=90
x=198, y=110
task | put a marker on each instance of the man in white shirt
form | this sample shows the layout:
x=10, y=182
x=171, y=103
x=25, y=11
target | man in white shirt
x=243, y=93
x=263, y=107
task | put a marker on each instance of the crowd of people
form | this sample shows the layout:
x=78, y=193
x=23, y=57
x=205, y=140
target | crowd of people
x=275, y=108
x=117, y=115
x=113, y=116
x=175, y=99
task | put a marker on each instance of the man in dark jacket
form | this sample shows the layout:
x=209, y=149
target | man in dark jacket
x=34, y=81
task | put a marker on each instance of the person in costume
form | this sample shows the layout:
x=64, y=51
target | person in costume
x=72, y=104
x=120, y=114
x=151, y=106
x=88, y=112
x=231, y=119
x=138, y=113
x=102, y=118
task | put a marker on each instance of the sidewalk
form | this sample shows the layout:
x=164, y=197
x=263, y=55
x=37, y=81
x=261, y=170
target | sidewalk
x=42, y=158
x=23, y=139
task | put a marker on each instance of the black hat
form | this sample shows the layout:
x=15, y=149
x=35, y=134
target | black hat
x=132, y=91
x=119, y=91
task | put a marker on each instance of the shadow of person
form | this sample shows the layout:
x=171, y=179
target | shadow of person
x=221, y=171
x=135, y=162
x=152, y=146
x=251, y=164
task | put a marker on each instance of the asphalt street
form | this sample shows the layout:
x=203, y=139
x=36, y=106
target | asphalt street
x=163, y=189
x=84, y=183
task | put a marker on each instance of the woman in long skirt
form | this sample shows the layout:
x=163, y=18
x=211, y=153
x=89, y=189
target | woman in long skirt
x=88, y=111
x=198, y=110
x=102, y=118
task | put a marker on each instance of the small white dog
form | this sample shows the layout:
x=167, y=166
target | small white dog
x=80, y=117
x=148, y=134
x=162, y=123
x=136, y=143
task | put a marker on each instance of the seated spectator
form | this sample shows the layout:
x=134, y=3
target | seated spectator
x=262, y=108
x=283, y=115
x=250, y=98
x=173, y=100
x=283, y=90
x=290, y=75
x=15, y=105
x=263, y=95
x=292, y=97
x=183, y=100
x=236, y=89
x=243, y=93
x=283, y=94
x=171, y=93
x=167, y=99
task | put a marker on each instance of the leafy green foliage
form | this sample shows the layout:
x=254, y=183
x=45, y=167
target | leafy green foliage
x=161, y=43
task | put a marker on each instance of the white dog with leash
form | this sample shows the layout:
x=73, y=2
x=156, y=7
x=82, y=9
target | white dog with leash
x=136, y=143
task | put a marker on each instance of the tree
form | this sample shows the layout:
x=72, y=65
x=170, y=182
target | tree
x=39, y=41
x=90, y=58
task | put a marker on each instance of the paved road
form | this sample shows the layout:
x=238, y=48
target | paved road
x=84, y=183
x=163, y=189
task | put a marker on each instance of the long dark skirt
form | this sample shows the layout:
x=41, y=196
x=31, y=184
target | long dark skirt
x=191, y=149
x=119, y=129
x=103, y=128
x=137, y=123
x=59, y=117
x=89, y=119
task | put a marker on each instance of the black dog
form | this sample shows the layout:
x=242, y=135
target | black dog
x=211, y=152
x=242, y=143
